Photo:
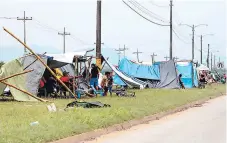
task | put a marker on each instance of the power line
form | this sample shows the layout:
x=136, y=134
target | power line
x=142, y=15
x=8, y=17
x=147, y=11
x=179, y=37
x=162, y=6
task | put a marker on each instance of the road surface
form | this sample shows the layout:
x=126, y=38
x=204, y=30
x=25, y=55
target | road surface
x=205, y=124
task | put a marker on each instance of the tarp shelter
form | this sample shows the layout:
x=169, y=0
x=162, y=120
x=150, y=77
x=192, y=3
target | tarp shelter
x=33, y=78
x=139, y=70
x=168, y=76
x=10, y=68
x=128, y=80
x=202, y=68
x=189, y=73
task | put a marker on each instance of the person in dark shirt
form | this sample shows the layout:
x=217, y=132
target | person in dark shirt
x=202, y=78
x=180, y=81
x=94, y=76
x=110, y=83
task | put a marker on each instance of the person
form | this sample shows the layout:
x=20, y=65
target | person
x=51, y=86
x=66, y=80
x=94, y=76
x=104, y=84
x=180, y=81
x=202, y=78
x=110, y=82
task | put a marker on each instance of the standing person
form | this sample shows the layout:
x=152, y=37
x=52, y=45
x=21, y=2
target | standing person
x=104, y=83
x=110, y=82
x=94, y=76
x=180, y=81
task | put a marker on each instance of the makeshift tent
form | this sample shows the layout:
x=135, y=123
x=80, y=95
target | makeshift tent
x=139, y=70
x=168, y=76
x=189, y=74
x=11, y=68
x=202, y=68
x=131, y=82
x=33, y=78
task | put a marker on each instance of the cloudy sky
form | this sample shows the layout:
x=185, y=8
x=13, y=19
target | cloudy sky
x=120, y=25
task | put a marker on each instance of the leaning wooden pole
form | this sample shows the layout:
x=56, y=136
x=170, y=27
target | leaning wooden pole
x=40, y=61
x=10, y=85
x=24, y=72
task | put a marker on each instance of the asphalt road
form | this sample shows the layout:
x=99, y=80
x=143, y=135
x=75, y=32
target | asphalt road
x=205, y=124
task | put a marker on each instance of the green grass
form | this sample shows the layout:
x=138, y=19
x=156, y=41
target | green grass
x=15, y=117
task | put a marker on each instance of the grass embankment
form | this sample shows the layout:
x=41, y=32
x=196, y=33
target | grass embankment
x=15, y=117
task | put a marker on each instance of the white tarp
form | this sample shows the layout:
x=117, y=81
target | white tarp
x=67, y=57
x=203, y=68
x=124, y=77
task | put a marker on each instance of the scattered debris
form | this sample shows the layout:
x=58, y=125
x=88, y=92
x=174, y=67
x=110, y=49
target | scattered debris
x=34, y=123
x=52, y=107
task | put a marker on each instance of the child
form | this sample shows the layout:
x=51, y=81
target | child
x=110, y=83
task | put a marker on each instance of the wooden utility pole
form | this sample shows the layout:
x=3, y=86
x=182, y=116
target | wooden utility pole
x=211, y=61
x=137, y=55
x=119, y=53
x=171, y=31
x=24, y=20
x=124, y=49
x=201, y=49
x=208, y=54
x=193, y=35
x=152, y=57
x=166, y=58
x=98, y=34
x=63, y=34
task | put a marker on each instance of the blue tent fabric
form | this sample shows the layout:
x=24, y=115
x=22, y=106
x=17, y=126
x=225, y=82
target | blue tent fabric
x=186, y=70
x=117, y=80
x=139, y=70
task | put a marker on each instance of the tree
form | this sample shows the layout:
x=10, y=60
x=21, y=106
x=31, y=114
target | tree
x=1, y=63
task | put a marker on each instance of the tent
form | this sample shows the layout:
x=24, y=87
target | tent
x=168, y=76
x=202, y=68
x=189, y=73
x=139, y=71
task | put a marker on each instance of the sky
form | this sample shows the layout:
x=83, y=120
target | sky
x=120, y=26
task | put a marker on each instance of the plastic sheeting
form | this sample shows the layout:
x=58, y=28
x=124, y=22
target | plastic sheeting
x=33, y=78
x=8, y=69
x=139, y=70
x=125, y=78
x=186, y=69
x=168, y=76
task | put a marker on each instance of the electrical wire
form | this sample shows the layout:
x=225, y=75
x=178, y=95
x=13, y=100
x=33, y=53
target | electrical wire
x=147, y=11
x=162, y=6
x=179, y=37
x=142, y=15
x=8, y=17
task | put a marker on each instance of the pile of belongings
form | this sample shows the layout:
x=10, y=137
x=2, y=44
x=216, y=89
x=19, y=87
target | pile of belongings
x=95, y=104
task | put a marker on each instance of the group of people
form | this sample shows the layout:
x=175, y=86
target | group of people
x=106, y=82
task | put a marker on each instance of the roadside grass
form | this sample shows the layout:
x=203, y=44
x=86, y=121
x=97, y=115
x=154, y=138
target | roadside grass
x=15, y=117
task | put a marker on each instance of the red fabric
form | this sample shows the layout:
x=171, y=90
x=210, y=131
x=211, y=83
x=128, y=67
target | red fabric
x=65, y=79
x=41, y=84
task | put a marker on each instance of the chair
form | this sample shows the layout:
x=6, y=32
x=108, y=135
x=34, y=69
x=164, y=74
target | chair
x=96, y=92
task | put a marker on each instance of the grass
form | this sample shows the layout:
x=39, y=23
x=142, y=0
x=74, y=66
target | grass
x=15, y=117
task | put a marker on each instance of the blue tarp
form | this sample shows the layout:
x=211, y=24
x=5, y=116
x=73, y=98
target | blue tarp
x=139, y=70
x=185, y=69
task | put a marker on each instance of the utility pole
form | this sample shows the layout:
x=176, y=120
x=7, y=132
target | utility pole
x=119, y=53
x=219, y=59
x=152, y=57
x=201, y=52
x=214, y=61
x=63, y=34
x=201, y=49
x=98, y=34
x=166, y=58
x=124, y=49
x=193, y=42
x=211, y=61
x=137, y=54
x=175, y=59
x=208, y=54
x=24, y=20
x=171, y=31
x=193, y=35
